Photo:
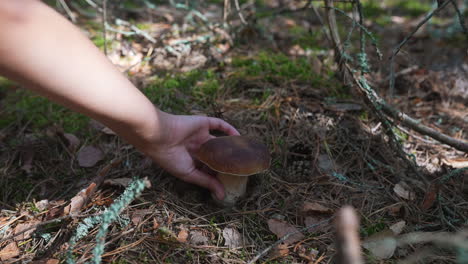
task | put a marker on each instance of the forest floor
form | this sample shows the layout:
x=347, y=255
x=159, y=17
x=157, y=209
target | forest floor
x=274, y=80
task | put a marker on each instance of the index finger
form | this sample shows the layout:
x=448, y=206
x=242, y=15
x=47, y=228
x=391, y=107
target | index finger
x=221, y=125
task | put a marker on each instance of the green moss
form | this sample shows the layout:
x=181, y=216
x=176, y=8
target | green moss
x=272, y=67
x=143, y=26
x=5, y=84
x=175, y=93
x=40, y=112
x=99, y=41
x=414, y=8
x=372, y=229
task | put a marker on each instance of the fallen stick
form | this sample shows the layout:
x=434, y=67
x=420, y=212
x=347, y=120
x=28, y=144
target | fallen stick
x=422, y=129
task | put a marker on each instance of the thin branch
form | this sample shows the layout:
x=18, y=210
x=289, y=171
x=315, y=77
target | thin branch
x=425, y=130
x=68, y=11
x=461, y=18
x=236, y=2
x=284, y=238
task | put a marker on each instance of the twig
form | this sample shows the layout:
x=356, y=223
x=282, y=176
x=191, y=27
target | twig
x=285, y=237
x=236, y=2
x=135, y=29
x=403, y=42
x=461, y=18
x=425, y=130
x=68, y=11
x=347, y=232
x=226, y=9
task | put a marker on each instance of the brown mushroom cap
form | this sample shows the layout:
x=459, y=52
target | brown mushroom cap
x=238, y=155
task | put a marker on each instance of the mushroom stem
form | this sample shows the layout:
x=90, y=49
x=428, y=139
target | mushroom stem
x=234, y=187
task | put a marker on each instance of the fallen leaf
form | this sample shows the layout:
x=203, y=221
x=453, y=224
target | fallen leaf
x=80, y=200
x=306, y=253
x=120, y=182
x=182, y=236
x=282, y=228
x=312, y=207
x=42, y=205
x=404, y=191
x=279, y=251
x=72, y=141
x=398, y=227
x=456, y=163
x=155, y=224
x=382, y=245
x=22, y=227
x=108, y=131
x=232, y=237
x=10, y=251
x=198, y=238
x=314, y=221
x=430, y=197
x=395, y=210
x=89, y=156
x=139, y=215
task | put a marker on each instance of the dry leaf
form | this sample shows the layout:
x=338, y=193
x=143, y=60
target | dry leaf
x=182, y=236
x=80, y=200
x=382, y=245
x=10, y=251
x=404, y=191
x=398, y=227
x=22, y=227
x=72, y=141
x=282, y=228
x=155, y=224
x=120, y=182
x=89, y=156
x=138, y=216
x=430, y=197
x=314, y=220
x=312, y=207
x=232, y=237
x=306, y=253
x=279, y=251
x=42, y=205
x=198, y=238
x=456, y=163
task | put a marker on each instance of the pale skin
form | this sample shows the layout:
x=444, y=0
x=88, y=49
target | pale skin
x=45, y=53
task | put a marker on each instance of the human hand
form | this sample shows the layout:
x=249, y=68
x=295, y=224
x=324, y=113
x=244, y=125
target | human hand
x=180, y=137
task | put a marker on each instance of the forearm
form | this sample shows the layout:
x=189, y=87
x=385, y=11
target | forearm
x=46, y=53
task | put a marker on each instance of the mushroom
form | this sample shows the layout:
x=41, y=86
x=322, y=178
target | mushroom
x=234, y=158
